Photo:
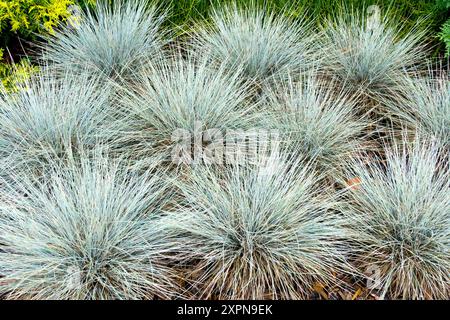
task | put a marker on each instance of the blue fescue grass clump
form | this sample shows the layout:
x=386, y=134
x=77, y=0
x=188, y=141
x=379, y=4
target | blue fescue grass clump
x=52, y=117
x=263, y=45
x=370, y=54
x=93, y=230
x=316, y=122
x=400, y=217
x=180, y=94
x=261, y=232
x=423, y=105
x=112, y=39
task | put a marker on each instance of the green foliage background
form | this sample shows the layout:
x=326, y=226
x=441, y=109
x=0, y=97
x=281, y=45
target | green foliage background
x=184, y=11
x=444, y=34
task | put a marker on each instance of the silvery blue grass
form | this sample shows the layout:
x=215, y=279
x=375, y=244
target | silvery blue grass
x=316, y=121
x=400, y=217
x=92, y=230
x=262, y=45
x=178, y=94
x=52, y=117
x=367, y=54
x=258, y=232
x=112, y=39
x=424, y=106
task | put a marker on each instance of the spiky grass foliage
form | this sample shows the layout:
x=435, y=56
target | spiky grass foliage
x=178, y=100
x=367, y=54
x=400, y=213
x=50, y=117
x=262, y=44
x=260, y=232
x=316, y=122
x=93, y=230
x=424, y=106
x=112, y=39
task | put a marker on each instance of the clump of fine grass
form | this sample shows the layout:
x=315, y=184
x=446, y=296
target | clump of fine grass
x=176, y=100
x=400, y=220
x=92, y=230
x=262, y=44
x=112, y=39
x=370, y=54
x=316, y=122
x=260, y=232
x=424, y=106
x=50, y=117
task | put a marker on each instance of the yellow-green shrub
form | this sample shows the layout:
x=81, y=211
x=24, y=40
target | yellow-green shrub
x=26, y=16
x=13, y=74
x=24, y=19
